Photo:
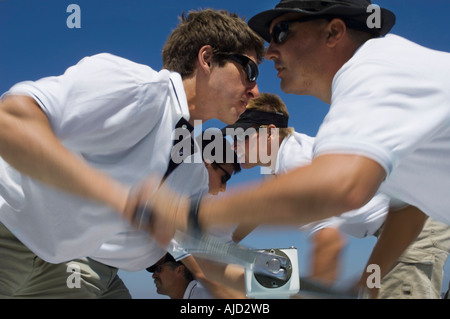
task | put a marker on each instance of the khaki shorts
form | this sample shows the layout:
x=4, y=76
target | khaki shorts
x=418, y=273
x=25, y=275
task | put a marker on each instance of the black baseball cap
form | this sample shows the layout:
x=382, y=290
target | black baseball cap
x=167, y=257
x=349, y=10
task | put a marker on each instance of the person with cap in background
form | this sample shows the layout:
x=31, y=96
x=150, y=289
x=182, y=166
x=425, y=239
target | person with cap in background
x=221, y=163
x=418, y=273
x=173, y=278
x=386, y=131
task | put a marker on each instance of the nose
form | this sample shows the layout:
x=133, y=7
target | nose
x=253, y=91
x=270, y=51
x=223, y=188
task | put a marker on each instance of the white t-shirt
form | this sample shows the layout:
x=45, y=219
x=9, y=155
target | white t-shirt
x=118, y=116
x=296, y=151
x=391, y=103
x=195, y=290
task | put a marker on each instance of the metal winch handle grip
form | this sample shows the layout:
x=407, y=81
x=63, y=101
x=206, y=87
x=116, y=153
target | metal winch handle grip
x=209, y=246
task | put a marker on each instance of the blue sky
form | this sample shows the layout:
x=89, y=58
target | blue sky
x=36, y=42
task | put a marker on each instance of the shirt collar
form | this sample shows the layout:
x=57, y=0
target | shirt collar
x=178, y=88
x=189, y=289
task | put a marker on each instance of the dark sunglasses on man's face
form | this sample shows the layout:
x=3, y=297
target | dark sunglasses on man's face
x=280, y=31
x=250, y=67
x=159, y=268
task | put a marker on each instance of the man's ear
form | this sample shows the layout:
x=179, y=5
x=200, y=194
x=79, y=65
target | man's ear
x=336, y=30
x=272, y=131
x=205, y=55
x=180, y=270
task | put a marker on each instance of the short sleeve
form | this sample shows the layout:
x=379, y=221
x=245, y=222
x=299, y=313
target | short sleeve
x=381, y=111
x=295, y=151
x=100, y=102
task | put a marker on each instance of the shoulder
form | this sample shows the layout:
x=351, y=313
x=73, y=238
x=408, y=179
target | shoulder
x=195, y=290
x=295, y=151
x=108, y=64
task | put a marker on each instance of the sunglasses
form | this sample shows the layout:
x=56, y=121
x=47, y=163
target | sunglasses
x=250, y=67
x=159, y=268
x=225, y=178
x=280, y=31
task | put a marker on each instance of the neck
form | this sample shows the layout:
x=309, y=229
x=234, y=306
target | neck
x=198, y=110
x=340, y=57
x=191, y=94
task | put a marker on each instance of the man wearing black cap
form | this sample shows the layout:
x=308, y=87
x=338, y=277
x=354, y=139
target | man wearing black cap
x=387, y=129
x=362, y=74
x=418, y=273
x=174, y=279
x=355, y=13
x=329, y=33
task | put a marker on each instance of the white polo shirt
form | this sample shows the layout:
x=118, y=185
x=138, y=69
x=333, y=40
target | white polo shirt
x=118, y=116
x=391, y=103
x=296, y=151
x=195, y=290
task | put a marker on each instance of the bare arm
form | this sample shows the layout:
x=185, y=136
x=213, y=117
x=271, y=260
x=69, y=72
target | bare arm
x=331, y=185
x=327, y=246
x=28, y=143
x=400, y=229
x=229, y=275
x=218, y=289
x=241, y=232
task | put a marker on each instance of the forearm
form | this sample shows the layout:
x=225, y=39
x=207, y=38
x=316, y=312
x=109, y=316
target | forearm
x=307, y=194
x=28, y=144
x=327, y=245
x=271, y=203
x=231, y=276
x=400, y=229
x=218, y=289
x=241, y=232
